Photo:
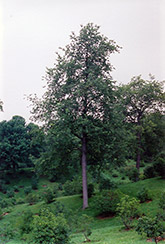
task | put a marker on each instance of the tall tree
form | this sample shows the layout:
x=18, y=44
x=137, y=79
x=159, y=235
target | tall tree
x=139, y=98
x=80, y=90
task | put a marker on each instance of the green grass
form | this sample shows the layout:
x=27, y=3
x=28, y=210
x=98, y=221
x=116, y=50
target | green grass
x=104, y=231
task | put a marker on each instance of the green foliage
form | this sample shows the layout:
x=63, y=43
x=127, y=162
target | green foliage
x=91, y=190
x=159, y=166
x=49, y=229
x=1, y=214
x=139, y=98
x=27, y=190
x=25, y=221
x=128, y=209
x=34, y=183
x=149, y=172
x=151, y=227
x=48, y=195
x=106, y=202
x=106, y=183
x=8, y=232
x=5, y=202
x=81, y=109
x=84, y=226
x=162, y=201
x=10, y=193
x=72, y=187
x=3, y=188
x=32, y=198
x=133, y=174
x=143, y=195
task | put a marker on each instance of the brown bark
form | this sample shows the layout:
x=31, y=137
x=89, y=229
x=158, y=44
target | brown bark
x=84, y=172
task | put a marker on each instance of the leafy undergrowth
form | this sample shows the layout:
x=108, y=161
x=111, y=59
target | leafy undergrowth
x=104, y=230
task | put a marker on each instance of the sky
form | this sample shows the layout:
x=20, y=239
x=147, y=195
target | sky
x=31, y=32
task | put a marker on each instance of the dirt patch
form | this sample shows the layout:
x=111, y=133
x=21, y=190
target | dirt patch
x=148, y=201
x=106, y=216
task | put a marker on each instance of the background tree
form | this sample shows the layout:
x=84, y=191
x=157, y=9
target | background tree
x=1, y=105
x=140, y=98
x=80, y=90
x=15, y=144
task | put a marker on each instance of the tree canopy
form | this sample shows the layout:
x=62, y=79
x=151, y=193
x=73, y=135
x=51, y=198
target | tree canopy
x=140, y=98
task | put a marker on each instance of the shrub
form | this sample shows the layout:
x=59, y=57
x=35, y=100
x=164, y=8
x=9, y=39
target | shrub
x=159, y=167
x=1, y=214
x=133, y=174
x=16, y=188
x=151, y=227
x=32, y=198
x=10, y=193
x=115, y=175
x=49, y=229
x=149, y=172
x=48, y=195
x=72, y=187
x=4, y=202
x=20, y=200
x=34, y=183
x=91, y=190
x=27, y=190
x=106, y=202
x=84, y=226
x=25, y=221
x=3, y=188
x=162, y=201
x=7, y=232
x=128, y=209
x=143, y=195
x=106, y=183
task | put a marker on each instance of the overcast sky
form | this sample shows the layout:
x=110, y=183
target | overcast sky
x=31, y=31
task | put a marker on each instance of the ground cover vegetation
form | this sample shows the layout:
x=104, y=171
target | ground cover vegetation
x=94, y=171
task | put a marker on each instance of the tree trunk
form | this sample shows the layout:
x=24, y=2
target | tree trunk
x=84, y=172
x=138, y=151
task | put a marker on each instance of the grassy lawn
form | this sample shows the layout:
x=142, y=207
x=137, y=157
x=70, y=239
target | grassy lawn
x=104, y=231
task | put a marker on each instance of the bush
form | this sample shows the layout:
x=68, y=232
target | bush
x=159, y=167
x=72, y=187
x=3, y=188
x=16, y=188
x=143, y=195
x=151, y=227
x=127, y=210
x=49, y=229
x=91, y=190
x=20, y=200
x=106, y=202
x=162, y=201
x=149, y=172
x=34, y=183
x=10, y=193
x=7, y=232
x=48, y=195
x=1, y=214
x=133, y=174
x=27, y=190
x=84, y=226
x=32, y=198
x=4, y=202
x=106, y=183
x=25, y=221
